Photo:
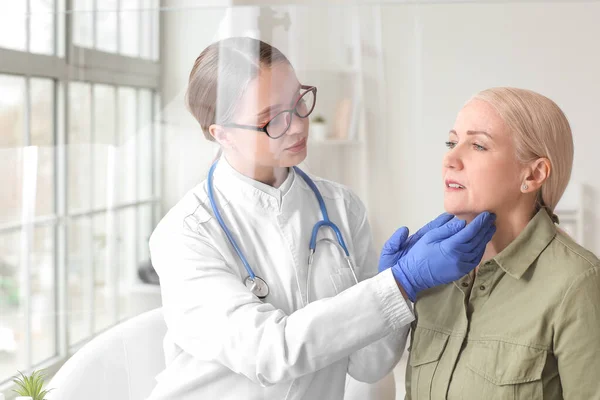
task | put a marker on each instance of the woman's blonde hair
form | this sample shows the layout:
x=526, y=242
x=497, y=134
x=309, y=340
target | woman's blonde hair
x=539, y=129
x=221, y=74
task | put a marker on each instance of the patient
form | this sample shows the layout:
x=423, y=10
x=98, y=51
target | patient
x=526, y=323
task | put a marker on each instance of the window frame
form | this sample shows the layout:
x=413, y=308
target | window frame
x=91, y=66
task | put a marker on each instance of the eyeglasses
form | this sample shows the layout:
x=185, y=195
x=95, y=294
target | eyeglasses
x=279, y=124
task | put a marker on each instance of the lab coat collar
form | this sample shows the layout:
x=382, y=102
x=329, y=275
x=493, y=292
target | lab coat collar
x=234, y=185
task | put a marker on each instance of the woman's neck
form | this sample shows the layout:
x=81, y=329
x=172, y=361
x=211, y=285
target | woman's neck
x=272, y=176
x=509, y=226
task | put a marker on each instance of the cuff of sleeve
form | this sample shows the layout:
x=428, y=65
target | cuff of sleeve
x=395, y=308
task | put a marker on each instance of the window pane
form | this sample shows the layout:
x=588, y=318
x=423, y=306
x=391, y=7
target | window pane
x=104, y=270
x=147, y=21
x=79, y=147
x=12, y=114
x=42, y=26
x=103, y=152
x=42, y=135
x=79, y=279
x=43, y=291
x=130, y=27
x=145, y=227
x=127, y=260
x=126, y=162
x=12, y=110
x=83, y=23
x=156, y=30
x=144, y=145
x=158, y=149
x=12, y=322
x=106, y=26
x=60, y=29
x=13, y=24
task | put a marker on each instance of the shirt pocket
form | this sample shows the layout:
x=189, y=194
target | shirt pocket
x=507, y=371
x=425, y=354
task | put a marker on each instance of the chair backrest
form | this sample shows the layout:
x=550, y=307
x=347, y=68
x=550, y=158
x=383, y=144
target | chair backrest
x=119, y=364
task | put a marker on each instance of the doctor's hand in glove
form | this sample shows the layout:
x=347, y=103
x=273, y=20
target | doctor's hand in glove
x=397, y=245
x=444, y=253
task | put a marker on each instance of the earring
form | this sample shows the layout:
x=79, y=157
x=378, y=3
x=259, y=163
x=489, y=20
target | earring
x=525, y=187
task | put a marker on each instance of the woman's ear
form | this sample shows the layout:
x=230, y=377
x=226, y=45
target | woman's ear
x=538, y=172
x=220, y=135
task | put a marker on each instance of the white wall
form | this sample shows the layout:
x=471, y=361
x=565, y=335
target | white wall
x=439, y=55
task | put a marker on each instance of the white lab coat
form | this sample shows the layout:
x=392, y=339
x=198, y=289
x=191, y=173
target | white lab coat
x=225, y=343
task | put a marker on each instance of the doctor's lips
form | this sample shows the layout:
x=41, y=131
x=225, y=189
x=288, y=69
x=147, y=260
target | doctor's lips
x=453, y=185
x=298, y=146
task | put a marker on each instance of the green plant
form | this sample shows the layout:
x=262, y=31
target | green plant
x=31, y=385
x=319, y=119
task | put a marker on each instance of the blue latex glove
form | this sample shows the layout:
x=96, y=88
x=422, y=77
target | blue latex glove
x=444, y=254
x=397, y=246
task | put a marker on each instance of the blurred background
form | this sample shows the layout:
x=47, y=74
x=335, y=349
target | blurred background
x=96, y=144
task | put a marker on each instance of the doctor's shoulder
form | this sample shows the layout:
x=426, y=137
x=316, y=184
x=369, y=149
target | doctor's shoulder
x=338, y=193
x=187, y=215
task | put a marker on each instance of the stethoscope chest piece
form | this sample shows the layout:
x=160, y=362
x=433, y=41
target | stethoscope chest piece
x=258, y=286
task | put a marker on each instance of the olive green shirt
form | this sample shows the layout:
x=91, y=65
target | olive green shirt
x=526, y=327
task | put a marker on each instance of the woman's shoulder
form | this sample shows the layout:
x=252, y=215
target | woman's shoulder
x=570, y=257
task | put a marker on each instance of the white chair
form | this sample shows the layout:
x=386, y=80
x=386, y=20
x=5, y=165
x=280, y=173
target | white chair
x=385, y=389
x=122, y=363
x=119, y=364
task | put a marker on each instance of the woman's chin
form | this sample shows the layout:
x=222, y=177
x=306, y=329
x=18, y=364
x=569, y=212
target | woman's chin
x=462, y=213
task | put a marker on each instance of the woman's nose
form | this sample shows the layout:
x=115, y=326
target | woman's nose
x=452, y=159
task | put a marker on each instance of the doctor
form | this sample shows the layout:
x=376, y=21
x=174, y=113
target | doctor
x=252, y=312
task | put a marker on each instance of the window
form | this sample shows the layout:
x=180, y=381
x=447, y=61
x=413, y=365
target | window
x=126, y=27
x=78, y=154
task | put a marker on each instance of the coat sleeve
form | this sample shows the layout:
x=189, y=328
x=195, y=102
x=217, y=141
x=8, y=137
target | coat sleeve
x=373, y=362
x=576, y=338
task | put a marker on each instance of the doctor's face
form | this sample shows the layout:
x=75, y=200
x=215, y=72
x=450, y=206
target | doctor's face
x=274, y=90
x=480, y=169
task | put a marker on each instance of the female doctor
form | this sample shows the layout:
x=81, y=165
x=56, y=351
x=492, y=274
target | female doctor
x=252, y=311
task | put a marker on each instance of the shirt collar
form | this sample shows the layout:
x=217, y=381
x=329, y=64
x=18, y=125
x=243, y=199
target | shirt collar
x=521, y=253
x=233, y=184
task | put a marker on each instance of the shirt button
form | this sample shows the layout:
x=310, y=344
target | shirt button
x=465, y=284
x=488, y=263
x=481, y=287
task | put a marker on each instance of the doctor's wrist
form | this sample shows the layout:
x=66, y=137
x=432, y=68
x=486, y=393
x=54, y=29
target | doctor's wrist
x=402, y=291
x=404, y=284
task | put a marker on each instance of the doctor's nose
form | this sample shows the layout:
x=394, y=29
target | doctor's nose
x=297, y=124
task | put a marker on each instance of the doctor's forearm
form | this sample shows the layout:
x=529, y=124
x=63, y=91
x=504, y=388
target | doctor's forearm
x=372, y=363
x=268, y=347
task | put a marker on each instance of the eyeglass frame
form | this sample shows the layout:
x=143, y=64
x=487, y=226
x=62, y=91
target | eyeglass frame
x=291, y=110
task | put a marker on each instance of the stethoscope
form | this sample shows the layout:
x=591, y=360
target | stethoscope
x=253, y=282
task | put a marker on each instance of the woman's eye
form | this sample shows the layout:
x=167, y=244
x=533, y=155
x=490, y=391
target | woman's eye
x=479, y=147
x=450, y=145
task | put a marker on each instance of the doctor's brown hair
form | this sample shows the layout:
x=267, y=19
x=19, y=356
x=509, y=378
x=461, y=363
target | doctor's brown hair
x=221, y=75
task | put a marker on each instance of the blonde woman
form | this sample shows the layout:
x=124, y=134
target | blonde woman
x=526, y=323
